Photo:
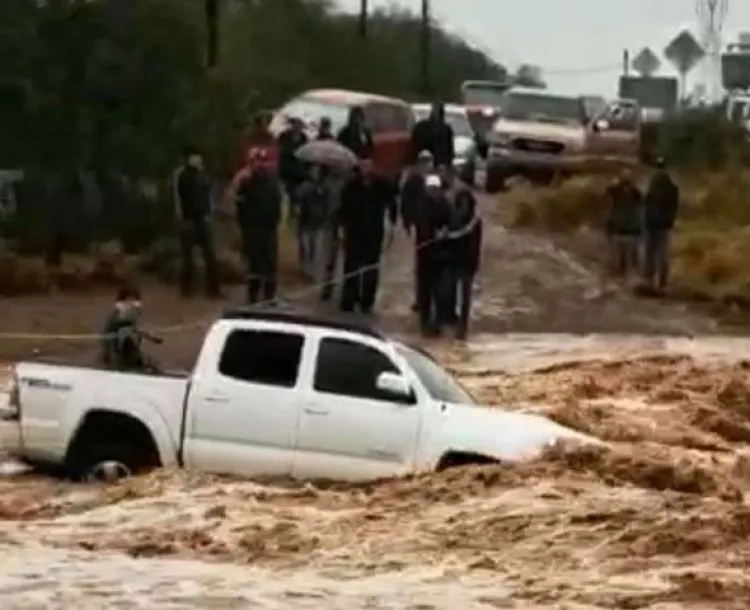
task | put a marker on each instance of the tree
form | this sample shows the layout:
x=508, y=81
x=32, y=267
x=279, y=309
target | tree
x=529, y=75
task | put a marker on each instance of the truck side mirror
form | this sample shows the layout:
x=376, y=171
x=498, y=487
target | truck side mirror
x=396, y=386
x=601, y=125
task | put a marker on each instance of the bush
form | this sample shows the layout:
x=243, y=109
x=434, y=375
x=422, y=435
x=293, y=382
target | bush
x=711, y=242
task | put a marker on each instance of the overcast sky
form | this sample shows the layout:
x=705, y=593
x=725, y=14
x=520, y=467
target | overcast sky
x=578, y=43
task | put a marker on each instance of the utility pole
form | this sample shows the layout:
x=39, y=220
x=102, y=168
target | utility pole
x=363, y=14
x=625, y=62
x=425, y=54
x=212, y=33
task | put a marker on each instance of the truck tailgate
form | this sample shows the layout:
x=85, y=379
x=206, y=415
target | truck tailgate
x=56, y=399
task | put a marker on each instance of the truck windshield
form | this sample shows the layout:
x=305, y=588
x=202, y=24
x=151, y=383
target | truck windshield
x=439, y=383
x=543, y=107
x=486, y=94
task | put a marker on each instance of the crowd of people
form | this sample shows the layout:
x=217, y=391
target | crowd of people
x=344, y=215
x=639, y=226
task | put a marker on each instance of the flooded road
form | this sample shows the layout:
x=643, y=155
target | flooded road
x=657, y=519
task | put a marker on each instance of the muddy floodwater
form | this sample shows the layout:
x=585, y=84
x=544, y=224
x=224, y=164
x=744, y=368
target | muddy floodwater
x=657, y=519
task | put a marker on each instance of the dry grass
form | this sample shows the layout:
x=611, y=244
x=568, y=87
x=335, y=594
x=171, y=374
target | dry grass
x=107, y=265
x=711, y=246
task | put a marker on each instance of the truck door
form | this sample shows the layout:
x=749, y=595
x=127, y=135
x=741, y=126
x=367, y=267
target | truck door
x=242, y=416
x=348, y=428
x=615, y=135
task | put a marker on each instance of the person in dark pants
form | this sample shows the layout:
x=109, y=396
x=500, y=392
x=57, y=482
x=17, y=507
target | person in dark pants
x=259, y=214
x=314, y=198
x=325, y=129
x=432, y=220
x=624, y=224
x=662, y=201
x=356, y=136
x=292, y=171
x=412, y=196
x=436, y=135
x=465, y=240
x=365, y=201
x=193, y=203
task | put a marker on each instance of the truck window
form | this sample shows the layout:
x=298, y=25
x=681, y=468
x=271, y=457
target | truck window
x=262, y=356
x=348, y=368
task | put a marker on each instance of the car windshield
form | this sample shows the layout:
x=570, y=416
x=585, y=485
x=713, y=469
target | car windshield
x=484, y=95
x=439, y=383
x=458, y=121
x=312, y=110
x=542, y=107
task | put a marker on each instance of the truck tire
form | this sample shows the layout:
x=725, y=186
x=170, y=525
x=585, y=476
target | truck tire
x=108, y=462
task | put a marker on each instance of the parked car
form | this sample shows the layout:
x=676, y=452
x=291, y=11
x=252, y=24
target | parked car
x=540, y=134
x=271, y=393
x=390, y=120
x=464, y=140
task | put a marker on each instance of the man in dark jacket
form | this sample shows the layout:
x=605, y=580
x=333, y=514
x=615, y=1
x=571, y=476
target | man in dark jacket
x=465, y=242
x=433, y=254
x=356, y=136
x=412, y=196
x=624, y=224
x=366, y=200
x=291, y=169
x=193, y=208
x=436, y=135
x=259, y=214
x=661, y=204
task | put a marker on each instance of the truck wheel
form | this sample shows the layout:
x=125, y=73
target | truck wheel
x=109, y=462
x=495, y=180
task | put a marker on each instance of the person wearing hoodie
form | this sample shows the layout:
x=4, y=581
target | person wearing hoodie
x=433, y=252
x=661, y=205
x=624, y=224
x=259, y=199
x=465, y=243
x=356, y=136
x=436, y=135
x=367, y=200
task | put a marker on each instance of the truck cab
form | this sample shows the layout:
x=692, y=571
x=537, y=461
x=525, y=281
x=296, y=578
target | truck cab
x=271, y=394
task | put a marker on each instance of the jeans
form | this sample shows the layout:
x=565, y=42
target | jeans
x=623, y=250
x=261, y=256
x=330, y=250
x=457, y=286
x=656, y=258
x=198, y=234
x=309, y=243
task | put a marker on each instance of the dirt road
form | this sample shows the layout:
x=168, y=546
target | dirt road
x=656, y=520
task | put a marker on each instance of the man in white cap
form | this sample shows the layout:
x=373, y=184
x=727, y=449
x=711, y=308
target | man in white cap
x=431, y=222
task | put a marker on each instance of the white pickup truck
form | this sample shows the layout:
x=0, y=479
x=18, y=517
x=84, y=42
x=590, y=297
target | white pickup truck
x=271, y=394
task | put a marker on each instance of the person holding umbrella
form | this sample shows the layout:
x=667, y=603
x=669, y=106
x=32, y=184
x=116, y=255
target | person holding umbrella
x=365, y=201
x=338, y=162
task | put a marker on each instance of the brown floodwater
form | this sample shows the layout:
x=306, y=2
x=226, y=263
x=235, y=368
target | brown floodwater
x=656, y=519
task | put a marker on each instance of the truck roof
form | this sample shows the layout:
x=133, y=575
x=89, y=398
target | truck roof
x=302, y=319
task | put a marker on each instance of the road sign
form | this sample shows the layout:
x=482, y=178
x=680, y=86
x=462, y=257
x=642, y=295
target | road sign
x=684, y=52
x=654, y=92
x=646, y=62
